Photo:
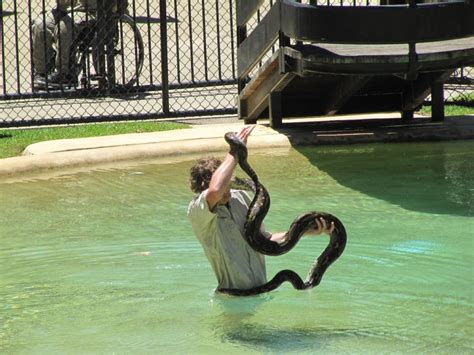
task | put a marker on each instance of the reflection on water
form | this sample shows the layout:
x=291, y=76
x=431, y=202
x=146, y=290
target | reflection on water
x=268, y=338
x=236, y=324
x=105, y=261
x=414, y=247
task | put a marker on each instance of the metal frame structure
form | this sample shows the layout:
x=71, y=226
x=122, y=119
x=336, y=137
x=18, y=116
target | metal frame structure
x=192, y=65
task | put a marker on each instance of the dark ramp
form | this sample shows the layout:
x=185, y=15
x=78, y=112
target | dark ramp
x=349, y=59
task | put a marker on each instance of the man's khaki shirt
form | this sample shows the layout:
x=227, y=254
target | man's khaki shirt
x=235, y=263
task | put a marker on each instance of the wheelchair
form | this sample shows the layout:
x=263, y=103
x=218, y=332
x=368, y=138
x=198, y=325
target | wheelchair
x=128, y=54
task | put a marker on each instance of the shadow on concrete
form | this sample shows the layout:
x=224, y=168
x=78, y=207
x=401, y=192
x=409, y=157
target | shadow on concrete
x=350, y=130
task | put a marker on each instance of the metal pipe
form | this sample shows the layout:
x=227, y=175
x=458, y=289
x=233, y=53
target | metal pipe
x=109, y=42
x=203, y=12
x=232, y=46
x=191, y=49
x=164, y=57
x=178, y=61
x=45, y=48
x=219, y=59
x=134, y=16
x=17, y=61
x=30, y=23
x=148, y=14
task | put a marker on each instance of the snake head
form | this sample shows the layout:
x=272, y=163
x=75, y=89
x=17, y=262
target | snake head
x=237, y=146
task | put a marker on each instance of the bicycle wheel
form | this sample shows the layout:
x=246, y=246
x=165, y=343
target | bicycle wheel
x=129, y=52
x=83, y=65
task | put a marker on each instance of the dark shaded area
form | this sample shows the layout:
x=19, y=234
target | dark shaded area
x=6, y=13
x=153, y=20
x=435, y=178
x=138, y=19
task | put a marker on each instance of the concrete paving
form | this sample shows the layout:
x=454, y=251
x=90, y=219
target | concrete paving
x=202, y=139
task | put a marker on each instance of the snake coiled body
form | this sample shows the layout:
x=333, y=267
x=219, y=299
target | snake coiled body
x=252, y=233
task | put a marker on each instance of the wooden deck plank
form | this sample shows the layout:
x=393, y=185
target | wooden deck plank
x=355, y=59
x=350, y=72
x=351, y=50
x=263, y=73
x=339, y=54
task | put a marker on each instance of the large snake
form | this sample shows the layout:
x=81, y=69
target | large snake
x=252, y=233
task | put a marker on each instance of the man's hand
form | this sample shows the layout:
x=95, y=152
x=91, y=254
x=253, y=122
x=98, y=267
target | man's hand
x=245, y=133
x=322, y=227
x=219, y=186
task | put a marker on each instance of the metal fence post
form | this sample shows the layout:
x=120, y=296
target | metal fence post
x=110, y=29
x=2, y=52
x=100, y=43
x=164, y=57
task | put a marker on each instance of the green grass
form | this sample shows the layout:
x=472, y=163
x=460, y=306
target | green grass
x=453, y=109
x=14, y=141
x=450, y=110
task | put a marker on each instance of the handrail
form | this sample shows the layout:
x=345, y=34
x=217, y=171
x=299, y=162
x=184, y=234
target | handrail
x=246, y=9
x=392, y=24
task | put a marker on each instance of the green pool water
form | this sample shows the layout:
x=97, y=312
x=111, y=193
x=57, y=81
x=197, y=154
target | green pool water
x=105, y=262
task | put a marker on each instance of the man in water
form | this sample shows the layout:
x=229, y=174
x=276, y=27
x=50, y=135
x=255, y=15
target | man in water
x=218, y=214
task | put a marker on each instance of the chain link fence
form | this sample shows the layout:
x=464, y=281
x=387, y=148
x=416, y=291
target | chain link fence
x=128, y=59
x=460, y=87
x=155, y=59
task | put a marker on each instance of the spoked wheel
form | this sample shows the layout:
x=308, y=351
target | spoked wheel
x=82, y=58
x=129, y=52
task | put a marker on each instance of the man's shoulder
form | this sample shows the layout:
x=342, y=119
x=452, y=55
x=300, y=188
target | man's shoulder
x=198, y=206
x=239, y=192
x=198, y=200
x=241, y=196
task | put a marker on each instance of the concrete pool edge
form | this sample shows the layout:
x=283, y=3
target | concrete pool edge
x=208, y=139
x=90, y=152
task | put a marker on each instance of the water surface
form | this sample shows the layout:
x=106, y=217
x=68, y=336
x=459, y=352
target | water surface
x=105, y=261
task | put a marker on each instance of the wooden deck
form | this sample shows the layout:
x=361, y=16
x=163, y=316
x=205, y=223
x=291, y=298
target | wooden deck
x=349, y=59
x=395, y=58
x=327, y=79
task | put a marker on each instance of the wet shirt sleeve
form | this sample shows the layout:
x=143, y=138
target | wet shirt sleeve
x=200, y=216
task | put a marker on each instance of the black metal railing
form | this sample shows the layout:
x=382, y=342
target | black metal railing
x=136, y=60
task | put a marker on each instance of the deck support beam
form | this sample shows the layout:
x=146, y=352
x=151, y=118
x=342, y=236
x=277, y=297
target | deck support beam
x=275, y=109
x=348, y=86
x=437, y=102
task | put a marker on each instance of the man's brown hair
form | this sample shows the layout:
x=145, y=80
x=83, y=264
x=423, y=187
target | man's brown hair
x=201, y=173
